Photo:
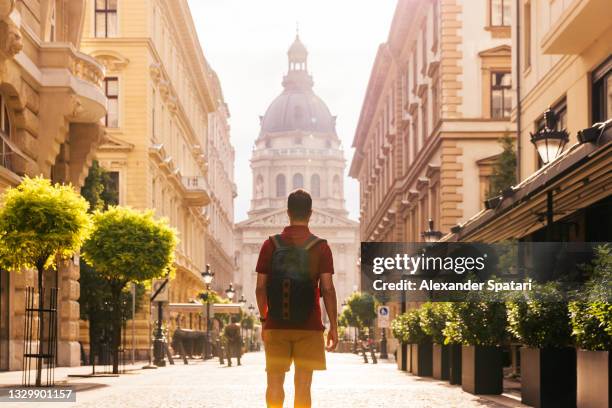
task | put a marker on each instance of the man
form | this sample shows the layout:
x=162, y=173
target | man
x=289, y=303
x=234, y=340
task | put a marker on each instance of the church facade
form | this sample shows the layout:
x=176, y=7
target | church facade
x=298, y=147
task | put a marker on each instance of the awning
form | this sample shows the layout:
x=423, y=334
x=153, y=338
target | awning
x=578, y=178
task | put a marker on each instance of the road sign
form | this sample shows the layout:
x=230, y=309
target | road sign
x=159, y=290
x=383, y=317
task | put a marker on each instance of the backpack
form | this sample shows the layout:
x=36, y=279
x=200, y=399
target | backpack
x=290, y=288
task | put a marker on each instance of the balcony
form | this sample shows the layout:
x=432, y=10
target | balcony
x=196, y=191
x=579, y=24
x=62, y=66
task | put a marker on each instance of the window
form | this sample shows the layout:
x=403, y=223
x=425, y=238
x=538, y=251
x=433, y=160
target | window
x=602, y=92
x=315, y=185
x=6, y=147
x=298, y=181
x=281, y=186
x=111, y=89
x=436, y=25
x=500, y=12
x=414, y=70
x=527, y=35
x=501, y=97
x=52, y=23
x=424, y=49
x=106, y=18
x=153, y=105
x=435, y=101
x=424, y=117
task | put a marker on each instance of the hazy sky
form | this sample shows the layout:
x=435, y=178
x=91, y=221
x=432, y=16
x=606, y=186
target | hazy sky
x=246, y=42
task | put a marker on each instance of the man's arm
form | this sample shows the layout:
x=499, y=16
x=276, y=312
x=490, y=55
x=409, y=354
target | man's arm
x=262, y=295
x=331, y=306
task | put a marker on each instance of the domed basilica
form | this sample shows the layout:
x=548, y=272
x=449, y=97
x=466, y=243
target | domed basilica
x=298, y=147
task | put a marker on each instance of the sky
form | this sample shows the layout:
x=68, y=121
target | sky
x=246, y=43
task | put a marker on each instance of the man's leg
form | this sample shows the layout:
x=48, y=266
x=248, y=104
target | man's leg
x=275, y=394
x=302, y=381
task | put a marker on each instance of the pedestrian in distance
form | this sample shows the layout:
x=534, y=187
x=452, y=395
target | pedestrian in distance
x=294, y=271
x=231, y=332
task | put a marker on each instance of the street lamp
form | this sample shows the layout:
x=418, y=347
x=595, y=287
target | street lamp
x=548, y=141
x=431, y=235
x=207, y=276
x=230, y=292
x=251, y=308
x=242, y=300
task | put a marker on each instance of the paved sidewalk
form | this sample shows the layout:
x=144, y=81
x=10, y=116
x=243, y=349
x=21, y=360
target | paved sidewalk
x=347, y=382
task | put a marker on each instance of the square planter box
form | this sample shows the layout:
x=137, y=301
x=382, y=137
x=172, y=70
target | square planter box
x=440, y=362
x=409, y=358
x=593, y=379
x=422, y=359
x=481, y=369
x=548, y=377
x=402, y=354
x=454, y=364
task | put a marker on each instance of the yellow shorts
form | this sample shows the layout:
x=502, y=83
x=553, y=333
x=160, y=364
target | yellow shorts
x=306, y=348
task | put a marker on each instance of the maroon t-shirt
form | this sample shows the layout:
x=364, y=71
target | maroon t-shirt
x=321, y=261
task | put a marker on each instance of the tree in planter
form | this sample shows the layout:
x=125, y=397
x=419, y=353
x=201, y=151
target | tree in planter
x=591, y=319
x=539, y=319
x=40, y=225
x=128, y=246
x=504, y=169
x=433, y=317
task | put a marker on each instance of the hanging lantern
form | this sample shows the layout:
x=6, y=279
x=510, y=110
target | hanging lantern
x=548, y=141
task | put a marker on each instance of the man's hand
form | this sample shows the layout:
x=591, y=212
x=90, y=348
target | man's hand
x=332, y=339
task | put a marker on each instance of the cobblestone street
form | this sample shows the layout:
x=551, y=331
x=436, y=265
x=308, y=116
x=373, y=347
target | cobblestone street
x=347, y=382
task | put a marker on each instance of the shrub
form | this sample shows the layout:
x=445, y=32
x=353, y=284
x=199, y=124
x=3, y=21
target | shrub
x=477, y=323
x=434, y=316
x=407, y=328
x=591, y=314
x=539, y=318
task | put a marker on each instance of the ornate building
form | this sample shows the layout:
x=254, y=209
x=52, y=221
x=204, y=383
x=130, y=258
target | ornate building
x=298, y=147
x=51, y=102
x=163, y=99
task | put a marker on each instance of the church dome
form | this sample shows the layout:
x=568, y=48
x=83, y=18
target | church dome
x=298, y=107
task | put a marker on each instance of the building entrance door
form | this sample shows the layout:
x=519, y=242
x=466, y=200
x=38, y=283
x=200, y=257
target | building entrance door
x=4, y=320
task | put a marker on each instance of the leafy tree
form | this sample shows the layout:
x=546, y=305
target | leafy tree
x=363, y=308
x=41, y=224
x=504, y=169
x=99, y=189
x=477, y=323
x=127, y=245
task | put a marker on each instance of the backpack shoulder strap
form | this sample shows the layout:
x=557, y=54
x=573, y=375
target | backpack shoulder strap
x=277, y=241
x=312, y=241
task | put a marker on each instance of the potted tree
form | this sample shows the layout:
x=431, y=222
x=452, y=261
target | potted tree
x=420, y=344
x=398, y=329
x=539, y=319
x=479, y=326
x=433, y=321
x=591, y=319
x=128, y=246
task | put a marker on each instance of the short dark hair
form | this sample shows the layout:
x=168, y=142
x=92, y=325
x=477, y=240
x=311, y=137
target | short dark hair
x=299, y=204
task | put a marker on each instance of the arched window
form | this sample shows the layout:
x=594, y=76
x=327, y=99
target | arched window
x=7, y=155
x=336, y=187
x=298, y=181
x=281, y=186
x=315, y=185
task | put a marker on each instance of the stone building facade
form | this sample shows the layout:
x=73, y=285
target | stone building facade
x=163, y=97
x=437, y=103
x=51, y=102
x=220, y=212
x=298, y=147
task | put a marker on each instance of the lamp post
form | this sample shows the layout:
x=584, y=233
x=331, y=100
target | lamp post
x=250, y=330
x=549, y=142
x=207, y=276
x=230, y=292
x=431, y=235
